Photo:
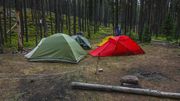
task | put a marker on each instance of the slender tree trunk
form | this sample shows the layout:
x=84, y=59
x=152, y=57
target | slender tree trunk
x=178, y=30
x=74, y=24
x=1, y=36
x=79, y=14
x=141, y=20
x=22, y=21
x=50, y=14
x=4, y=18
x=69, y=15
x=125, y=28
x=113, y=17
x=25, y=21
x=117, y=11
x=20, y=42
x=61, y=16
x=10, y=18
x=36, y=26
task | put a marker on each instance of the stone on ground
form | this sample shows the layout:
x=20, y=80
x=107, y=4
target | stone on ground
x=129, y=79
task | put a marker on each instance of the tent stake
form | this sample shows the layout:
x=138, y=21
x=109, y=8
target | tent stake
x=97, y=67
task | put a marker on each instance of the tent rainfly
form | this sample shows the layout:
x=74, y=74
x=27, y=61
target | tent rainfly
x=82, y=41
x=58, y=47
x=104, y=40
x=116, y=46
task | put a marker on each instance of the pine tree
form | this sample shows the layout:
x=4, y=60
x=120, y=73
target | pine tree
x=168, y=28
x=146, y=35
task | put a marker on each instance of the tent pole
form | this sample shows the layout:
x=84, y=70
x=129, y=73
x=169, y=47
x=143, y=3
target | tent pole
x=97, y=64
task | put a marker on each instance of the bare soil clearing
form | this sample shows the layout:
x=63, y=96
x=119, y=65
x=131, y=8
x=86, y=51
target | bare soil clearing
x=21, y=80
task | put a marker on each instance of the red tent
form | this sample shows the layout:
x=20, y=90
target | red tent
x=119, y=45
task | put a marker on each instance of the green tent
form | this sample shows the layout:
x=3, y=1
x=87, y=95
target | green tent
x=82, y=41
x=58, y=47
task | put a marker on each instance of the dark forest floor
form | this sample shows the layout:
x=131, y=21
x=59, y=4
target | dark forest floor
x=21, y=80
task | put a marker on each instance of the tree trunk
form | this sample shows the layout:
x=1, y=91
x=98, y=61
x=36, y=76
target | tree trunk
x=4, y=18
x=20, y=42
x=74, y=24
x=25, y=20
x=117, y=13
x=1, y=36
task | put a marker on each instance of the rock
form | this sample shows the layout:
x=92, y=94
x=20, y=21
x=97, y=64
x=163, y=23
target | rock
x=129, y=79
x=100, y=70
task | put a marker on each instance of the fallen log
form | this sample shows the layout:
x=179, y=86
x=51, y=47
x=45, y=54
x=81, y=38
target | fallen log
x=139, y=91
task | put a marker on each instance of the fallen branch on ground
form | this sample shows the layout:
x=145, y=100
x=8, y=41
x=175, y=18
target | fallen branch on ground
x=121, y=89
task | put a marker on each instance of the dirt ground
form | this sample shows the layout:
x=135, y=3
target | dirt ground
x=21, y=80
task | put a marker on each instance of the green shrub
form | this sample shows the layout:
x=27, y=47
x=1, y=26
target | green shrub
x=146, y=37
x=168, y=28
x=133, y=35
